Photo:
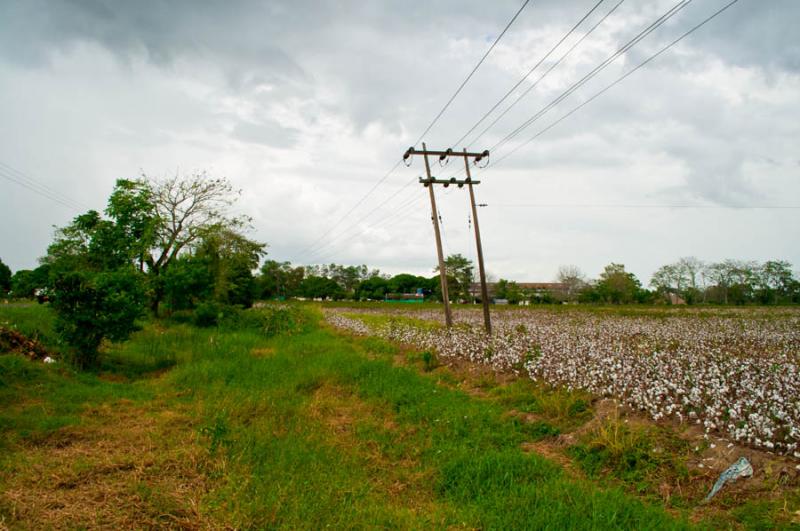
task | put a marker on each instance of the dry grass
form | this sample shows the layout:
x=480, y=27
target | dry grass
x=124, y=467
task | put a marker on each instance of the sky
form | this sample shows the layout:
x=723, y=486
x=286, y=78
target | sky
x=307, y=106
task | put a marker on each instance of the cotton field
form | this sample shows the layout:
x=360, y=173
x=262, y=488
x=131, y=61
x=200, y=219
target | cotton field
x=735, y=373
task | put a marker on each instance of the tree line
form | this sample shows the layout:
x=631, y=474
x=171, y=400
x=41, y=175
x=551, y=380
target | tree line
x=172, y=245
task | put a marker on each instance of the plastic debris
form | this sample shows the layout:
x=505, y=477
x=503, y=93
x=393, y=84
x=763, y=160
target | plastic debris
x=740, y=469
x=48, y=359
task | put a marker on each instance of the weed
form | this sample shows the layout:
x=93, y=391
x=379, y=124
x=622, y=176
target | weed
x=429, y=361
x=217, y=433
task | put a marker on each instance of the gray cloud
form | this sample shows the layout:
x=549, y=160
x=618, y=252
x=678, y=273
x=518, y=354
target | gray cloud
x=266, y=133
x=307, y=104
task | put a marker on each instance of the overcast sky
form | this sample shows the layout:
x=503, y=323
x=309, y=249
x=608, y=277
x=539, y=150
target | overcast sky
x=305, y=106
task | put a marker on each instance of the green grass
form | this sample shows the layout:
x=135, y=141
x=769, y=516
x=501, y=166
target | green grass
x=320, y=430
x=32, y=319
x=456, y=458
x=563, y=407
x=37, y=400
x=392, y=320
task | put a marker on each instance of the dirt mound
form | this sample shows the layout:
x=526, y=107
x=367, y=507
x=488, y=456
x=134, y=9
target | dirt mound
x=14, y=341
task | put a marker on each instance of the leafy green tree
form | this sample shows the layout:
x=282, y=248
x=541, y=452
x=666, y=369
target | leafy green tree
x=5, y=278
x=347, y=277
x=317, y=287
x=187, y=282
x=94, y=306
x=26, y=283
x=374, y=288
x=732, y=281
x=508, y=290
x=231, y=259
x=617, y=286
x=280, y=279
x=406, y=283
x=459, y=271
x=775, y=282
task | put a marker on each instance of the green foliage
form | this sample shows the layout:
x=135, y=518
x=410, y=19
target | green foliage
x=5, y=278
x=230, y=259
x=315, y=287
x=208, y=314
x=279, y=280
x=93, y=306
x=269, y=320
x=374, y=289
x=187, y=281
x=616, y=286
x=429, y=360
x=508, y=290
x=26, y=283
x=459, y=270
x=640, y=456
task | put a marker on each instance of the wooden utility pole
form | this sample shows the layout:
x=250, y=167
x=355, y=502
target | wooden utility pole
x=487, y=320
x=429, y=182
x=448, y=316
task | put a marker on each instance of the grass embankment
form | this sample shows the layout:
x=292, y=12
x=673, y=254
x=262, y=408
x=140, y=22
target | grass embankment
x=304, y=430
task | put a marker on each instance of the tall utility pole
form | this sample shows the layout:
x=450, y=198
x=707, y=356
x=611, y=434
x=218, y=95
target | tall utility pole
x=487, y=321
x=448, y=315
x=429, y=182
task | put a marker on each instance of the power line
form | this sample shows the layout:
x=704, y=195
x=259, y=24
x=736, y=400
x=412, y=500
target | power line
x=616, y=81
x=433, y=122
x=522, y=80
x=401, y=211
x=546, y=73
x=359, y=220
x=575, y=86
x=469, y=76
x=358, y=203
x=33, y=186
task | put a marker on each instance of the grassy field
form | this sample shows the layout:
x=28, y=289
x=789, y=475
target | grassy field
x=202, y=428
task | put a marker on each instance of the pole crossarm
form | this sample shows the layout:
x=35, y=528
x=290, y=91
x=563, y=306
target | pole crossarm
x=444, y=154
x=447, y=182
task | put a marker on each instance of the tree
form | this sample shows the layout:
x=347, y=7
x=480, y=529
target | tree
x=509, y=290
x=231, y=257
x=460, y=270
x=617, y=286
x=187, y=282
x=347, y=277
x=734, y=281
x=93, y=306
x=26, y=283
x=280, y=279
x=153, y=221
x=573, y=278
x=406, y=283
x=776, y=282
x=5, y=278
x=317, y=287
x=692, y=271
x=374, y=288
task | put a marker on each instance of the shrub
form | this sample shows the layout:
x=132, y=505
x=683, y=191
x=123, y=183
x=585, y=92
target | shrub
x=93, y=306
x=207, y=314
